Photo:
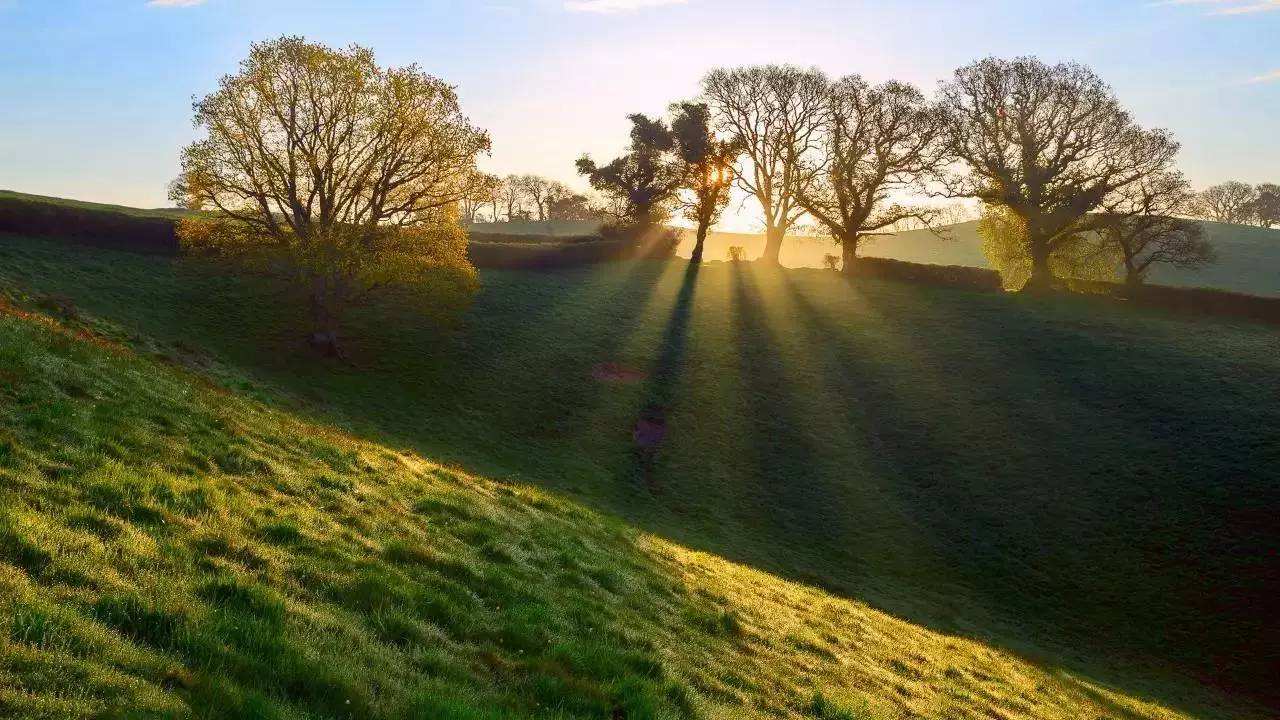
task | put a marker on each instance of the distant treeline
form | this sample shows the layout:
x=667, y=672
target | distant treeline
x=154, y=234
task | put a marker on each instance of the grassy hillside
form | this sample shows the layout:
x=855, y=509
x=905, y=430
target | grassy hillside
x=1062, y=480
x=1249, y=257
x=168, y=549
x=136, y=212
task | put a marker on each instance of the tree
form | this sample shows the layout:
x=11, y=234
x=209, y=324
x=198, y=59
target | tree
x=773, y=112
x=645, y=179
x=576, y=206
x=1266, y=205
x=541, y=192
x=1079, y=256
x=346, y=174
x=1045, y=144
x=874, y=141
x=510, y=195
x=1143, y=222
x=707, y=168
x=482, y=192
x=1231, y=202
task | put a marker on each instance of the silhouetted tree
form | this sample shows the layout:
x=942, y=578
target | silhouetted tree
x=645, y=179
x=1046, y=144
x=1230, y=202
x=347, y=174
x=541, y=192
x=707, y=168
x=874, y=141
x=576, y=206
x=1266, y=205
x=773, y=112
x=1143, y=222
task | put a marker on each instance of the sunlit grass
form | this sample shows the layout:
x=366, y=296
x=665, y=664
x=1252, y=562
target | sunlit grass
x=168, y=549
x=1010, y=470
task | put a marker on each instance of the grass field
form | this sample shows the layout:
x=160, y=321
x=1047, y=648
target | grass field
x=1065, y=504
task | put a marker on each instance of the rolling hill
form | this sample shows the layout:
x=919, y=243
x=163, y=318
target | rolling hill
x=175, y=213
x=873, y=500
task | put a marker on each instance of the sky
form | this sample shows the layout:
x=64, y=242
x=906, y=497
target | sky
x=95, y=95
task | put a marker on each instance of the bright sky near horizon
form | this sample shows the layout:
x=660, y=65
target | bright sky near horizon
x=95, y=95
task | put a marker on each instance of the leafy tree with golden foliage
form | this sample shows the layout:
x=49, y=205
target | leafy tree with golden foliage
x=347, y=175
x=1077, y=256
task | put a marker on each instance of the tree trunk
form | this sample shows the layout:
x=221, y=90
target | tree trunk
x=1041, y=279
x=324, y=326
x=849, y=255
x=1134, y=277
x=696, y=256
x=772, y=245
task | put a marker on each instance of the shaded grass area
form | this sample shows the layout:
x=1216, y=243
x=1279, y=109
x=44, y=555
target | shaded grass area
x=169, y=549
x=1088, y=485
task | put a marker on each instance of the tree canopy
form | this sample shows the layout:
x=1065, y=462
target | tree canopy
x=347, y=173
x=773, y=112
x=873, y=141
x=706, y=166
x=1146, y=223
x=1046, y=145
x=644, y=180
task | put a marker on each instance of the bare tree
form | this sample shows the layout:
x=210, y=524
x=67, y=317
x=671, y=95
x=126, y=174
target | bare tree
x=773, y=112
x=874, y=141
x=1045, y=144
x=707, y=169
x=482, y=192
x=511, y=196
x=1145, y=222
x=1231, y=202
x=346, y=173
x=541, y=192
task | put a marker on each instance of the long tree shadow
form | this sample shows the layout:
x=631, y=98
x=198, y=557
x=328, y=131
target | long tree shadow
x=651, y=425
x=796, y=503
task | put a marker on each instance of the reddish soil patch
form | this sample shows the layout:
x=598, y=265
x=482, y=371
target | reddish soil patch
x=613, y=372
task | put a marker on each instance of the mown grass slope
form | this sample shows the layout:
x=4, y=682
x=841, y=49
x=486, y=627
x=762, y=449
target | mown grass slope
x=1085, y=484
x=169, y=549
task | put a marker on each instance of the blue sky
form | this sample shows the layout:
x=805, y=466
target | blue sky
x=95, y=95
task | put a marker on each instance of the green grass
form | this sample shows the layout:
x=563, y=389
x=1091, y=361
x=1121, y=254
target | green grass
x=1064, y=503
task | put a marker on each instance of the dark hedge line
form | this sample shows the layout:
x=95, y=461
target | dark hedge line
x=948, y=275
x=479, y=237
x=526, y=255
x=1204, y=301
x=96, y=227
